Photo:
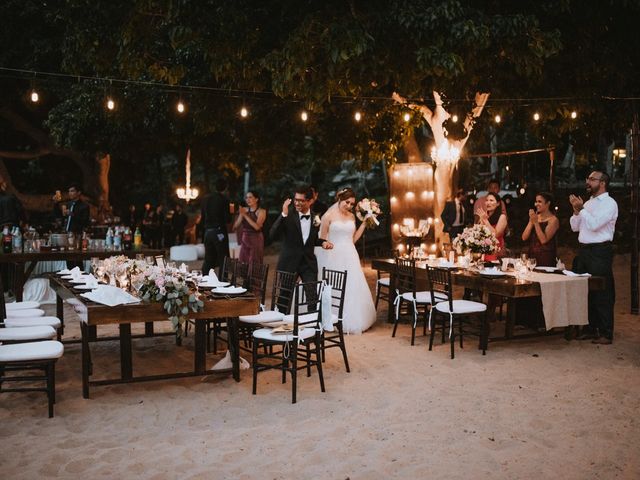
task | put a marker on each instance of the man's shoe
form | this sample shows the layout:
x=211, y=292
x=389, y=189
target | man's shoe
x=588, y=336
x=602, y=341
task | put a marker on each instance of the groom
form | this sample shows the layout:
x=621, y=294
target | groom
x=299, y=228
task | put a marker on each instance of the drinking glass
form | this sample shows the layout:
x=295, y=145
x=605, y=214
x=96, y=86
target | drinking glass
x=150, y=260
x=94, y=265
x=532, y=264
x=139, y=256
x=523, y=257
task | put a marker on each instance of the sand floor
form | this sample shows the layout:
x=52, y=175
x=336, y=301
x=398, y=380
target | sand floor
x=541, y=408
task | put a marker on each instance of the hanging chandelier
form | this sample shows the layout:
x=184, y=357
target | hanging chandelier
x=445, y=154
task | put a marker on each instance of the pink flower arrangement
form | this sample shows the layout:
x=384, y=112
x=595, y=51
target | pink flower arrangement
x=476, y=239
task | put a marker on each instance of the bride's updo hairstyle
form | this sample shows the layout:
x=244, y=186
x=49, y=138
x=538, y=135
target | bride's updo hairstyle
x=345, y=194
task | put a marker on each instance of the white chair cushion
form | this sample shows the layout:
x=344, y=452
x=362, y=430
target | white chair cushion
x=28, y=313
x=267, y=334
x=386, y=281
x=461, y=306
x=304, y=318
x=263, y=317
x=53, y=322
x=41, y=332
x=200, y=250
x=22, y=352
x=13, y=306
x=38, y=290
x=422, y=297
x=183, y=253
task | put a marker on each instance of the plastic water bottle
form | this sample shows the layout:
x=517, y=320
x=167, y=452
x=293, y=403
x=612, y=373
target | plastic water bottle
x=17, y=240
x=117, y=240
x=108, y=240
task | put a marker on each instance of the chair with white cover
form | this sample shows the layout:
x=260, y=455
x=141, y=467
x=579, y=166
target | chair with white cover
x=25, y=357
x=27, y=318
x=455, y=310
x=406, y=291
x=28, y=305
x=26, y=334
x=336, y=280
x=285, y=349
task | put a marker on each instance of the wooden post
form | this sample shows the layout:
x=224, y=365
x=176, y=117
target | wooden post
x=635, y=205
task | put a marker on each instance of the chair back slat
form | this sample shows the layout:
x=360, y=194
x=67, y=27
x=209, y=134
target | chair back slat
x=3, y=307
x=307, y=306
x=338, y=281
x=227, y=270
x=405, y=275
x=282, y=293
x=440, y=282
x=258, y=274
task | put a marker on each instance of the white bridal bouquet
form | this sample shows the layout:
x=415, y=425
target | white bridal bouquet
x=367, y=211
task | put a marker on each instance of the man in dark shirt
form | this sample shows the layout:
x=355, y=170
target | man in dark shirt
x=77, y=217
x=215, y=217
x=178, y=224
x=11, y=212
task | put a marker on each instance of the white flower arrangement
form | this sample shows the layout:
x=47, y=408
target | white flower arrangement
x=476, y=239
x=367, y=211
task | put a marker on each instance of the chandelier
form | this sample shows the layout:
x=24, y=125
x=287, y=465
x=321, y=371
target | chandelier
x=187, y=193
x=445, y=154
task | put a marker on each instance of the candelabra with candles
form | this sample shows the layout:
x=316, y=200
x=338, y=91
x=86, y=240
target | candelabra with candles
x=412, y=236
x=187, y=193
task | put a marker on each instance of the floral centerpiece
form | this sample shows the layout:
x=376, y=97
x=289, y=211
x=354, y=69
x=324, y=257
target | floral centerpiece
x=367, y=211
x=157, y=285
x=476, y=239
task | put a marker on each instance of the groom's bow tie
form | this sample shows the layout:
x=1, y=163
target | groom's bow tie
x=305, y=217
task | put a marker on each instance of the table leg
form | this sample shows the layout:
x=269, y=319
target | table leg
x=200, y=352
x=18, y=281
x=85, y=359
x=126, y=366
x=511, y=318
x=60, y=313
x=234, y=346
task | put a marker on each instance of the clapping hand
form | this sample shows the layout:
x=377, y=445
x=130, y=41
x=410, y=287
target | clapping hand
x=576, y=202
x=482, y=214
x=533, y=216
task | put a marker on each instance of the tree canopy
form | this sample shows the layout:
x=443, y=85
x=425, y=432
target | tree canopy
x=278, y=58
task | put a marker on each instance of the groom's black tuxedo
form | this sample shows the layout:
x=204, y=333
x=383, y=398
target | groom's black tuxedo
x=296, y=256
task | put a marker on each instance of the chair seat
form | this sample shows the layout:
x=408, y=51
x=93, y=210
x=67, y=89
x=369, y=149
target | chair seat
x=384, y=281
x=13, y=306
x=183, y=253
x=24, y=352
x=461, y=306
x=263, y=317
x=422, y=297
x=303, y=318
x=267, y=334
x=53, y=322
x=27, y=313
x=40, y=332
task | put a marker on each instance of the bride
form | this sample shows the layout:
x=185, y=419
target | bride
x=339, y=227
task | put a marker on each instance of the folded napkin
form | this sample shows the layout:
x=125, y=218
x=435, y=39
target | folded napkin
x=64, y=271
x=76, y=273
x=569, y=273
x=90, y=281
x=212, y=277
x=110, y=295
x=183, y=268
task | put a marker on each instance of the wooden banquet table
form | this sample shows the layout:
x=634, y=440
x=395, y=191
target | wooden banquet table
x=25, y=263
x=508, y=287
x=93, y=315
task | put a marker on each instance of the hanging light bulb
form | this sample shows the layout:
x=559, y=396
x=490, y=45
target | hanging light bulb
x=111, y=105
x=244, y=112
x=35, y=98
x=407, y=117
x=536, y=116
x=180, y=106
x=304, y=116
x=454, y=118
x=357, y=116
x=574, y=115
x=497, y=118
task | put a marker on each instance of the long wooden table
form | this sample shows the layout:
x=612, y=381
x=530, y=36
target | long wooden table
x=508, y=287
x=93, y=315
x=25, y=263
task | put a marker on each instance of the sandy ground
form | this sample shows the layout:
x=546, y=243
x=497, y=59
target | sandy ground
x=542, y=408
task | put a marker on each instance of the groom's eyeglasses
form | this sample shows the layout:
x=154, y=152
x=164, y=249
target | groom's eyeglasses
x=300, y=200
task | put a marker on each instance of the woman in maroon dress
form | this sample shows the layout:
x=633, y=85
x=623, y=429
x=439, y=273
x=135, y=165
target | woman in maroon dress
x=541, y=231
x=493, y=218
x=250, y=221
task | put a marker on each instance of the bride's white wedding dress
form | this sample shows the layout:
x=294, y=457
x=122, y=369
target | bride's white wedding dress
x=359, y=312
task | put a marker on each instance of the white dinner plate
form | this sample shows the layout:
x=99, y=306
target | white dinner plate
x=214, y=284
x=492, y=273
x=229, y=290
x=84, y=287
x=547, y=269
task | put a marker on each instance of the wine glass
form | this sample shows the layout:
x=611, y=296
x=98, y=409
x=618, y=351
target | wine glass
x=532, y=262
x=150, y=260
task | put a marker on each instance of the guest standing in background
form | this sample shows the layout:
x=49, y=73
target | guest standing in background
x=11, y=211
x=77, y=216
x=178, y=225
x=216, y=215
x=131, y=220
x=493, y=218
x=148, y=215
x=595, y=222
x=541, y=231
x=250, y=221
x=454, y=215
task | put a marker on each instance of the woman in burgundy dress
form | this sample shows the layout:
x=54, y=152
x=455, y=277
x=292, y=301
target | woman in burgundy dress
x=493, y=218
x=541, y=231
x=250, y=221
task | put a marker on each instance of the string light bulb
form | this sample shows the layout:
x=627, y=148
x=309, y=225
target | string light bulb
x=357, y=116
x=536, y=116
x=35, y=97
x=574, y=115
x=244, y=113
x=407, y=117
x=454, y=118
x=497, y=118
x=111, y=105
x=304, y=116
x=180, y=106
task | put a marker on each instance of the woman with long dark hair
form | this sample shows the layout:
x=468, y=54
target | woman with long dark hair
x=541, y=231
x=250, y=221
x=492, y=217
